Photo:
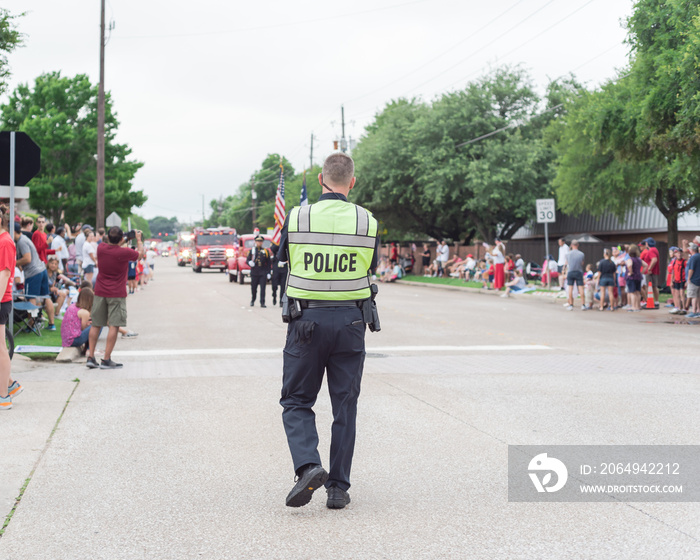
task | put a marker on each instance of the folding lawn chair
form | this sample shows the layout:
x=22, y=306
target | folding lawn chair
x=27, y=317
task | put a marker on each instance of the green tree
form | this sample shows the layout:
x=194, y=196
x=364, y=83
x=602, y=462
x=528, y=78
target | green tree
x=161, y=224
x=423, y=172
x=385, y=168
x=292, y=187
x=635, y=140
x=10, y=39
x=236, y=210
x=60, y=114
x=139, y=223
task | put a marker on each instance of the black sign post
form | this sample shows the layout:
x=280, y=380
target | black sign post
x=20, y=161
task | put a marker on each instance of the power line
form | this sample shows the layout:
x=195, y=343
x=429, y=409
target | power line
x=515, y=125
x=509, y=125
x=522, y=21
x=274, y=25
x=439, y=55
x=529, y=40
x=514, y=50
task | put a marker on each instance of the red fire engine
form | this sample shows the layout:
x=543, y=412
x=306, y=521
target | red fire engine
x=212, y=247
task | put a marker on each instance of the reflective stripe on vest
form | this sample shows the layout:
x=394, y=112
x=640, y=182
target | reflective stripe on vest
x=331, y=244
x=332, y=239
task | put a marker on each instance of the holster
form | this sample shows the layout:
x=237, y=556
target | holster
x=370, y=315
x=291, y=309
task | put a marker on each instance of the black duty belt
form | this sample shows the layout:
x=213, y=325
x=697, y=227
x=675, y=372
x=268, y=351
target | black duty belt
x=315, y=304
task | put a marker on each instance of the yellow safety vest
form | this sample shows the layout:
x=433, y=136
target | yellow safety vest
x=331, y=244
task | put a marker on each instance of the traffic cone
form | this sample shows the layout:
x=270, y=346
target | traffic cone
x=650, y=297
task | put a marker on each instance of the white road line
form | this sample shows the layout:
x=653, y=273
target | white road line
x=277, y=351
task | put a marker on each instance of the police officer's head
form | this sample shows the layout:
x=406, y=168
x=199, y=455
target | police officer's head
x=338, y=173
x=259, y=241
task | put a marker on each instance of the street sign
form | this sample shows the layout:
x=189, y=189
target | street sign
x=545, y=211
x=27, y=158
x=20, y=192
x=113, y=220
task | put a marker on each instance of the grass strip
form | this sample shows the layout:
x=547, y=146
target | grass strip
x=8, y=518
x=47, y=338
x=663, y=298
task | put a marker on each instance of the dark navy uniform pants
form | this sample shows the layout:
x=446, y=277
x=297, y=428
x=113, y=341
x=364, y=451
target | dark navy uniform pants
x=328, y=339
x=255, y=281
x=279, y=277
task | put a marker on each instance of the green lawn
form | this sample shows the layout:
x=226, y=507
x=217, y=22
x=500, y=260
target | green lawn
x=47, y=338
x=444, y=281
x=663, y=298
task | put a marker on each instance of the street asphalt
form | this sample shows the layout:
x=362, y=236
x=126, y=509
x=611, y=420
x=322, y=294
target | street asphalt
x=182, y=454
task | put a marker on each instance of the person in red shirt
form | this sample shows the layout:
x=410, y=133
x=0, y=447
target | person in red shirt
x=650, y=255
x=39, y=240
x=678, y=281
x=8, y=387
x=109, y=305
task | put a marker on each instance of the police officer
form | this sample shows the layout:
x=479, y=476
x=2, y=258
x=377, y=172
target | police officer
x=260, y=263
x=279, y=274
x=330, y=247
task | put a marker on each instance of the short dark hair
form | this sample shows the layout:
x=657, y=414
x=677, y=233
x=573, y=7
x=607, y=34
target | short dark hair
x=115, y=235
x=339, y=169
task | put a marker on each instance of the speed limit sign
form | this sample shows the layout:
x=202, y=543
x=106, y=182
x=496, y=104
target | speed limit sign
x=545, y=211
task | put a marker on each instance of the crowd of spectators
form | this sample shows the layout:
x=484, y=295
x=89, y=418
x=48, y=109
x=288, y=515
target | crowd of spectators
x=56, y=265
x=628, y=277
x=625, y=277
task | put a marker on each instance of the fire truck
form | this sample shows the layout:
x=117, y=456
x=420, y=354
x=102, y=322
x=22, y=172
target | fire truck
x=212, y=248
x=185, y=248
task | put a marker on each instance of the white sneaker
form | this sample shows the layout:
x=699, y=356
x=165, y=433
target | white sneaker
x=569, y=307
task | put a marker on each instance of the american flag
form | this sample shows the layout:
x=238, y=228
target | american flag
x=279, y=209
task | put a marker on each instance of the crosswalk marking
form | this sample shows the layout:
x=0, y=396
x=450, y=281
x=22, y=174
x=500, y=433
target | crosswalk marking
x=370, y=350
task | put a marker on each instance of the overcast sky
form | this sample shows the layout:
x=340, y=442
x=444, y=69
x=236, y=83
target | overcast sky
x=205, y=90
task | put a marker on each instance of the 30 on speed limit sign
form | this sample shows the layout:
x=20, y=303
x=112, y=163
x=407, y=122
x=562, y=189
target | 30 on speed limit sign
x=545, y=211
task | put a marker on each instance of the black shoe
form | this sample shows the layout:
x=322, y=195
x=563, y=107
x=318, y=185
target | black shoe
x=311, y=479
x=280, y=303
x=110, y=364
x=252, y=303
x=337, y=498
x=263, y=305
x=92, y=363
x=274, y=300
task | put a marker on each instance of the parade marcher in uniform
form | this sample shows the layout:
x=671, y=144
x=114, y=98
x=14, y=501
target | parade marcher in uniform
x=260, y=263
x=330, y=247
x=279, y=274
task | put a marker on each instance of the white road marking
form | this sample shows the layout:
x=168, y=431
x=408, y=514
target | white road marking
x=373, y=349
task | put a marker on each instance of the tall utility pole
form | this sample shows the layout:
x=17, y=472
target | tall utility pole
x=311, y=156
x=202, y=210
x=100, y=215
x=253, y=198
x=343, y=141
